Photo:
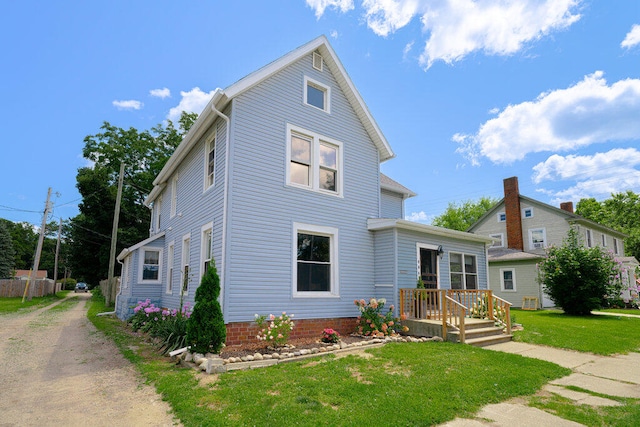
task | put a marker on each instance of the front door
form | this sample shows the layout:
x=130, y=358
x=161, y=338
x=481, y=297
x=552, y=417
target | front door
x=429, y=268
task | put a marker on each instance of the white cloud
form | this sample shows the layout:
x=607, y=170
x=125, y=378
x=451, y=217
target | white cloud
x=193, y=101
x=565, y=119
x=387, y=16
x=632, y=38
x=419, y=217
x=334, y=34
x=320, y=5
x=160, y=93
x=130, y=104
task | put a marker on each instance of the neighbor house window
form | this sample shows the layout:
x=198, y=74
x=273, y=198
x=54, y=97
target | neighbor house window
x=170, y=262
x=604, y=241
x=499, y=242
x=315, y=263
x=589, y=239
x=537, y=238
x=207, y=247
x=210, y=162
x=174, y=196
x=502, y=217
x=527, y=213
x=314, y=162
x=464, y=271
x=316, y=94
x=186, y=257
x=615, y=246
x=508, y=279
x=150, y=266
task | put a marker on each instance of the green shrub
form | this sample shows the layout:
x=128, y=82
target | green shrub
x=68, y=284
x=579, y=279
x=373, y=322
x=206, y=331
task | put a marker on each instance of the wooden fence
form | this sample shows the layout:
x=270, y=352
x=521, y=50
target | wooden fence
x=15, y=287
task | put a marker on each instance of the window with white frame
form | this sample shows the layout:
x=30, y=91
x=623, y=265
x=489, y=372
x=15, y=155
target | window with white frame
x=170, y=263
x=315, y=263
x=174, y=196
x=157, y=208
x=527, y=213
x=207, y=247
x=537, y=238
x=314, y=161
x=615, y=246
x=508, y=279
x=604, y=240
x=463, y=269
x=317, y=95
x=589, y=236
x=186, y=257
x=150, y=265
x=502, y=217
x=499, y=240
x=210, y=163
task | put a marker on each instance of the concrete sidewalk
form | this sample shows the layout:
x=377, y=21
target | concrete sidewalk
x=614, y=376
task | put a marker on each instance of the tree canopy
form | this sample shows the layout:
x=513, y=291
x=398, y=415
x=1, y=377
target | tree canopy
x=620, y=212
x=7, y=253
x=462, y=216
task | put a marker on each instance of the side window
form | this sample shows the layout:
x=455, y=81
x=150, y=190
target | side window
x=170, y=263
x=589, y=236
x=508, y=279
x=317, y=95
x=502, y=217
x=499, y=243
x=210, y=163
x=174, y=196
x=150, y=265
x=207, y=247
x=537, y=238
x=186, y=258
x=315, y=262
x=527, y=213
x=463, y=270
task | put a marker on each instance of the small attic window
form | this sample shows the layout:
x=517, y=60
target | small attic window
x=317, y=61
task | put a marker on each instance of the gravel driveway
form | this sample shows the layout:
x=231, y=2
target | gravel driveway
x=56, y=369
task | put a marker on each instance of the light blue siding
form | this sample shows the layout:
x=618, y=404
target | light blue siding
x=391, y=204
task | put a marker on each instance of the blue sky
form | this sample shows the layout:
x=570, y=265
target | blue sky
x=466, y=92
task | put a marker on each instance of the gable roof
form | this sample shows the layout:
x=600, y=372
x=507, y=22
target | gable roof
x=222, y=97
x=128, y=251
x=389, y=184
x=40, y=274
x=568, y=216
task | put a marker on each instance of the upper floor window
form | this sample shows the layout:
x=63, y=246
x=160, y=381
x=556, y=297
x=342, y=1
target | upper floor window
x=589, y=239
x=174, y=196
x=508, y=279
x=210, y=163
x=464, y=271
x=537, y=238
x=499, y=242
x=317, y=95
x=502, y=217
x=527, y=213
x=157, y=209
x=150, y=265
x=315, y=264
x=314, y=162
x=186, y=259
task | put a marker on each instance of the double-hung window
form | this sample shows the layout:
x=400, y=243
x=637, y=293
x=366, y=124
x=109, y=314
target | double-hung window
x=170, y=261
x=589, y=239
x=186, y=258
x=210, y=163
x=150, y=265
x=499, y=242
x=315, y=263
x=314, y=161
x=157, y=208
x=537, y=238
x=464, y=271
x=174, y=196
x=508, y=279
x=207, y=247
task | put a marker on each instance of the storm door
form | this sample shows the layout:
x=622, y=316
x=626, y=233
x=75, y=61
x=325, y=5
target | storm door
x=429, y=268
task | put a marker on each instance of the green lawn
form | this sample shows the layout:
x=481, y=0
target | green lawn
x=632, y=311
x=400, y=384
x=604, y=335
x=12, y=305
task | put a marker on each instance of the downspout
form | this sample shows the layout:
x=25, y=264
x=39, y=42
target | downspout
x=224, y=201
x=115, y=302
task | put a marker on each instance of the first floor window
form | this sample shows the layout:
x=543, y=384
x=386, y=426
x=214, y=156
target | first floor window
x=150, y=265
x=315, y=262
x=508, y=279
x=186, y=256
x=170, y=261
x=615, y=246
x=464, y=271
x=207, y=248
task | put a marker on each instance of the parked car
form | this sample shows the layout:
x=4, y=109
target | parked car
x=81, y=287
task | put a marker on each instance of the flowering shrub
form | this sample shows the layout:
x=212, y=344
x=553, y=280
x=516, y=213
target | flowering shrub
x=168, y=325
x=330, y=336
x=480, y=310
x=372, y=321
x=274, y=329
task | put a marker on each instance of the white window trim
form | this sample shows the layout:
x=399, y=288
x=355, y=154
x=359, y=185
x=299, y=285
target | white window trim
x=429, y=247
x=171, y=253
x=141, y=265
x=323, y=87
x=604, y=240
x=513, y=279
x=330, y=232
x=464, y=270
x=498, y=236
x=588, y=235
x=524, y=211
x=500, y=214
x=157, y=206
x=544, y=238
x=203, y=251
x=314, y=178
x=185, y=261
x=616, y=246
x=212, y=140
x=174, y=196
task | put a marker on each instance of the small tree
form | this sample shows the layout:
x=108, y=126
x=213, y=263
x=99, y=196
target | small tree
x=206, y=331
x=7, y=253
x=577, y=278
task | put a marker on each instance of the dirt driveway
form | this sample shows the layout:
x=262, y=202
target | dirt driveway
x=57, y=369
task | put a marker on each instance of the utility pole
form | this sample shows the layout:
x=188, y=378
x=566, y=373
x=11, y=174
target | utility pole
x=36, y=261
x=55, y=264
x=111, y=286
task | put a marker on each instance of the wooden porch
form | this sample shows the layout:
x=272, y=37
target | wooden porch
x=473, y=316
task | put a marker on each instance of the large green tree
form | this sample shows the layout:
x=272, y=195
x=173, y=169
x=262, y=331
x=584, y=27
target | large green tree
x=7, y=260
x=144, y=154
x=462, y=216
x=620, y=212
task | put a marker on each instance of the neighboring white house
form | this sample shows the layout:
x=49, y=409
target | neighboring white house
x=279, y=182
x=523, y=228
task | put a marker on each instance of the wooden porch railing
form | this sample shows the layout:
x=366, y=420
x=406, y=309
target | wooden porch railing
x=452, y=306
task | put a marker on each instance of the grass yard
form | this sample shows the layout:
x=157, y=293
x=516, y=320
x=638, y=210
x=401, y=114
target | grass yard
x=398, y=384
x=12, y=305
x=604, y=335
x=632, y=311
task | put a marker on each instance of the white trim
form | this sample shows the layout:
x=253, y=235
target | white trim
x=544, y=238
x=127, y=251
x=157, y=208
x=497, y=236
x=124, y=275
x=174, y=196
x=212, y=139
x=314, y=173
x=171, y=254
x=464, y=270
x=330, y=232
x=513, y=279
x=141, y=254
x=376, y=224
x=431, y=247
x=185, y=261
x=207, y=227
x=317, y=57
x=382, y=285
x=524, y=212
x=321, y=87
x=499, y=216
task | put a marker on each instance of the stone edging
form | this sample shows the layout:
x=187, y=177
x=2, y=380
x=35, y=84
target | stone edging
x=213, y=363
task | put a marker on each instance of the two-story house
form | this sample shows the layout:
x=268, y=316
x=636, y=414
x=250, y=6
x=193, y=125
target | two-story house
x=523, y=228
x=278, y=181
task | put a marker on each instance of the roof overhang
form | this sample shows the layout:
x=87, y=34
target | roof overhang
x=128, y=251
x=377, y=224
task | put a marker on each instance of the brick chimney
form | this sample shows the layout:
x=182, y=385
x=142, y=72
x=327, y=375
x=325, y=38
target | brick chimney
x=567, y=206
x=512, y=211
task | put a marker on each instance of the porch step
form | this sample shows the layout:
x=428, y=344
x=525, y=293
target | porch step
x=488, y=340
